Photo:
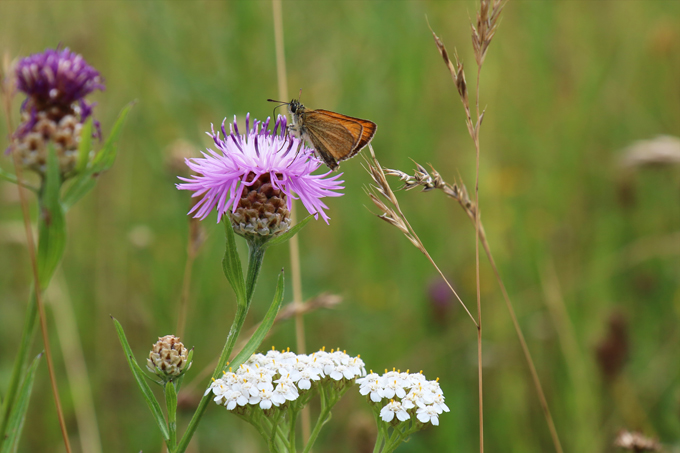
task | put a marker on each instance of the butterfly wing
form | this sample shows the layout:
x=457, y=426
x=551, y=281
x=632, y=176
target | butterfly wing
x=368, y=129
x=333, y=138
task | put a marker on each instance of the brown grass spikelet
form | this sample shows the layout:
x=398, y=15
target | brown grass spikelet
x=488, y=18
x=394, y=215
x=434, y=181
x=458, y=76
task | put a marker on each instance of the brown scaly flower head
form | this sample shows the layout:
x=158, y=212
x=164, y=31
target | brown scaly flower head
x=168, y=359
x=262, y=209
x=55, y=82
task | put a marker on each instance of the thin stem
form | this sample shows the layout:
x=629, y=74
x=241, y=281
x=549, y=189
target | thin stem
x=75, y=365
x=451, y=288
x=479, y=295
x=378, y=441
x=324, y=416
x=275, y=425
x=36, y=283
x=21, y=360
x=186, y=284
x=254, y=267
x=291, y=432
x=172, y=423
x=525, y=349
x=293, y=243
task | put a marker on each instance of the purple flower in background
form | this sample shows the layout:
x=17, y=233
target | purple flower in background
x=55, y=82
x=57, y=78
x=256, y=176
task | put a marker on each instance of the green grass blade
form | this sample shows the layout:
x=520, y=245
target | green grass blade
x=266, y=324
x=51, y=223
x=149, y=397
x=231, y=264
x=18, y=414
x=290, y=233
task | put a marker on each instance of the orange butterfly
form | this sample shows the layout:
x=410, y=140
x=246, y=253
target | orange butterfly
x=335, y=137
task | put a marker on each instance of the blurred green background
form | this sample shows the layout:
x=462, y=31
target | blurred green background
x=582, y=244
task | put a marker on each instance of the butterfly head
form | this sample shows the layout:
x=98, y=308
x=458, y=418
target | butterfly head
x=295, y=107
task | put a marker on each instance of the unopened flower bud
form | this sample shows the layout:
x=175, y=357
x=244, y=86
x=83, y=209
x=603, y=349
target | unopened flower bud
x=168, y=358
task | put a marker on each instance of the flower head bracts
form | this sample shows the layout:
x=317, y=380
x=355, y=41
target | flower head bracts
x=223, y=174
x=272, y=379
x=399, y=396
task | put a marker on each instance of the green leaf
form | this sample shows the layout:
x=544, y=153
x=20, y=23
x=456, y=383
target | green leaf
x=264, y=327
x=290, y=233
x=85, y=146
x=105, y=158
x=85, y=180
x=51, y=222
x=11, y=177
x=171, y=404
x=151, y=400
x=18, y=414
x=7, y=176
x=231, y=264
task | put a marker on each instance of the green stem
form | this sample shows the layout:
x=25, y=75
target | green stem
x=21, y=361
x=291, y=432
x=324, y=416
x=397, y=438
x=378, y=441
x=171, y=403
x=275, y=426
x=254, y=267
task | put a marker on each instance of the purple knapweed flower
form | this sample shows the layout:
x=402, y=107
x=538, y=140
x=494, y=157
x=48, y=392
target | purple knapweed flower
x=57, y=78
x=55, y=82
x=256, y=176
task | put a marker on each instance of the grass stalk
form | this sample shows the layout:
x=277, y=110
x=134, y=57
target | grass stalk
x=186, y=285
x=76, y=368
x=422, y=178
x=293, y=243
x=30, y=244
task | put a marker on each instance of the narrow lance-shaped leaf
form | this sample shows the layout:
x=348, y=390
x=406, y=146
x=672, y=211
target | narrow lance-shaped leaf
x=85, y=146
x=86, y=179
x=231, y=264
x=105, y=158
x=256, y=339
x=18, y=414
x=150, y=398
x=290, y=233
x=7, y=176
x=51, y=223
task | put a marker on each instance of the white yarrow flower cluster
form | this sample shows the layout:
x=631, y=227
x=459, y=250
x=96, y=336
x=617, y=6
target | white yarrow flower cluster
x=408, y=394
x=272, y=379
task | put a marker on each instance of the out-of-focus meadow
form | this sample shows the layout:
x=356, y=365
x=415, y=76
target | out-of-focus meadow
x=582, y=243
